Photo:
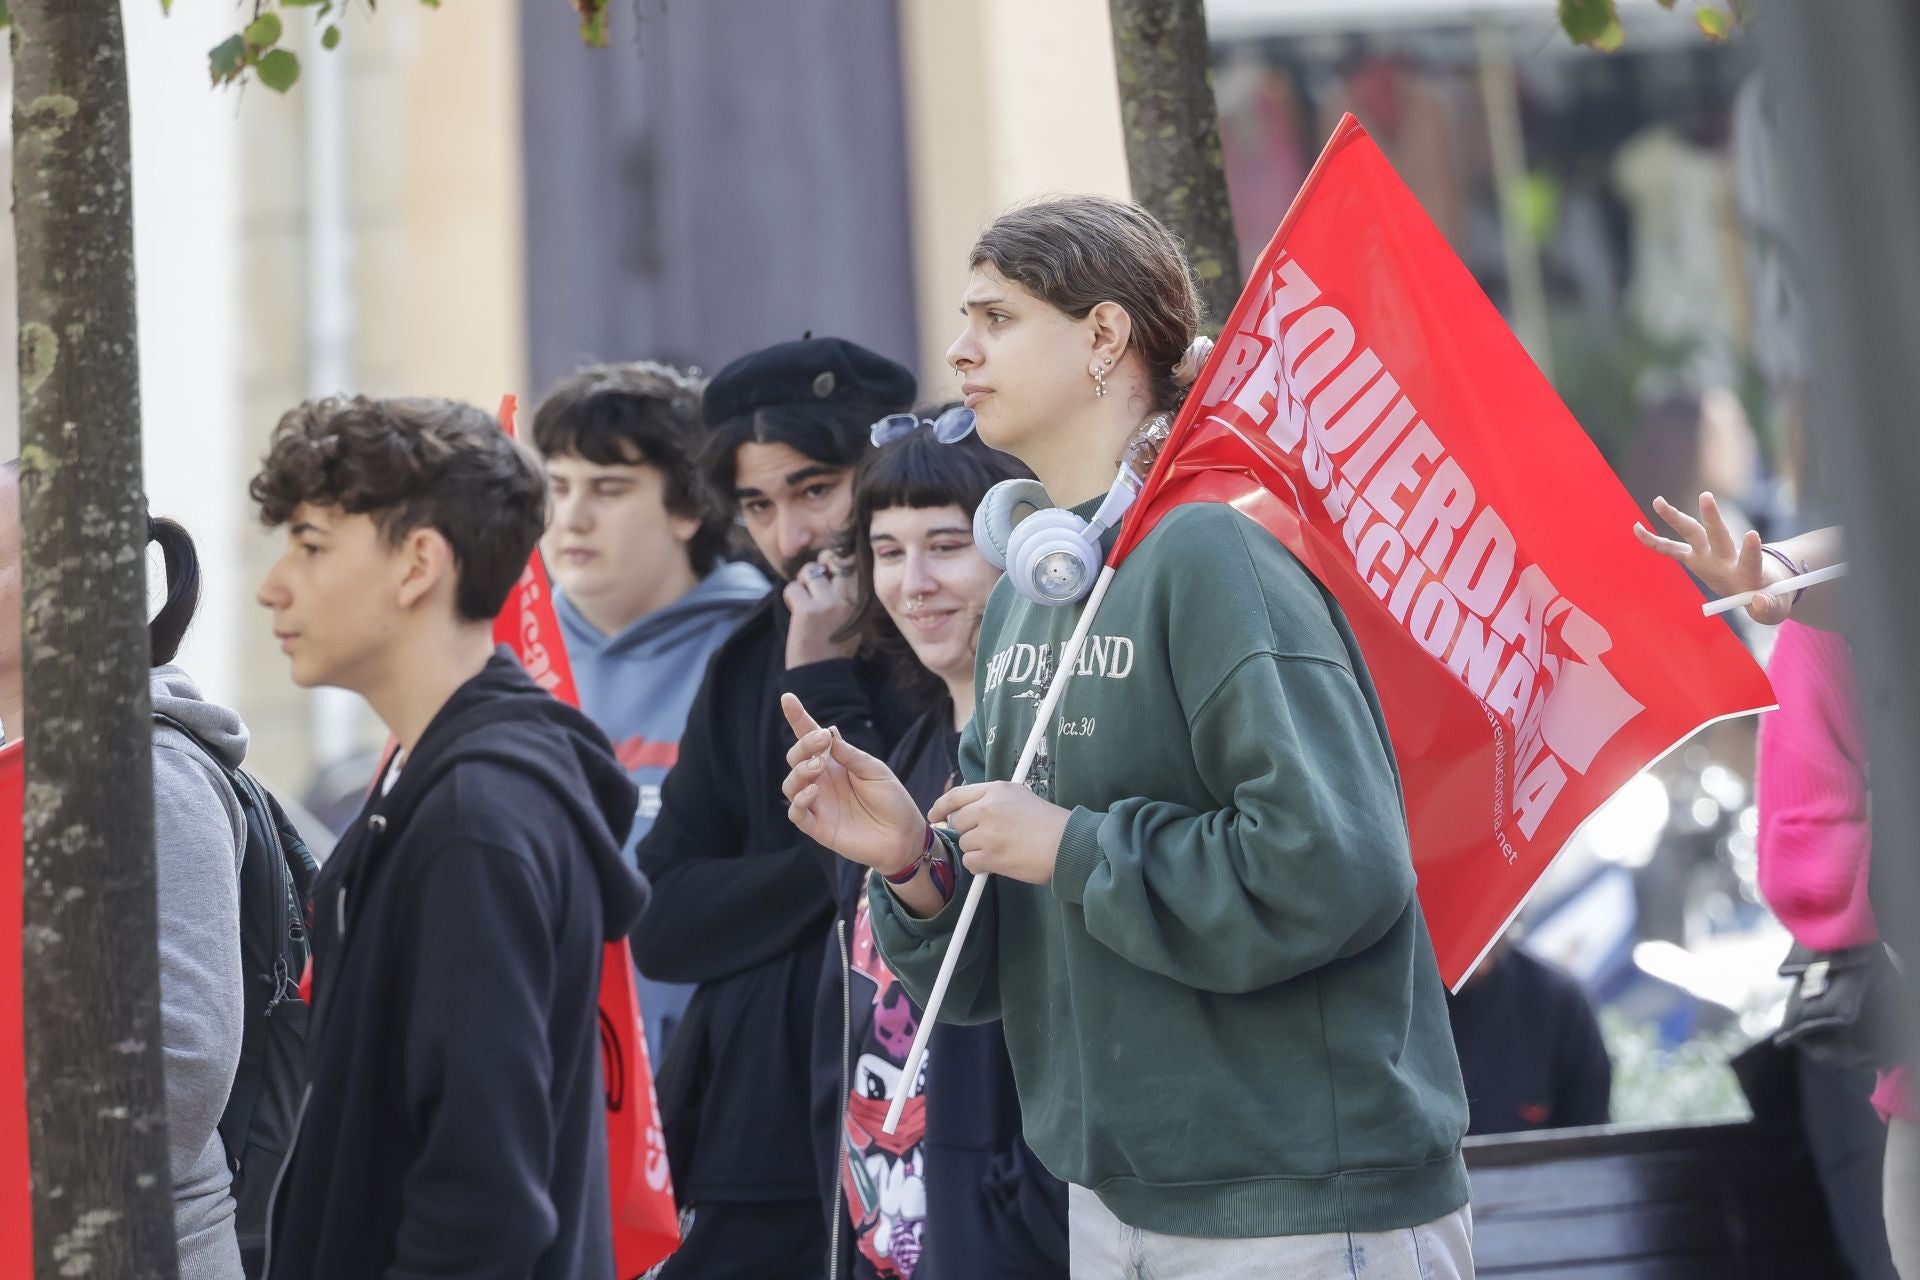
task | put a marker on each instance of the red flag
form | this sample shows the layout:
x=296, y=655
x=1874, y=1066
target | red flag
x=527, y=623
x=646, y=1226
x=1367, y=405
x=16, y=1204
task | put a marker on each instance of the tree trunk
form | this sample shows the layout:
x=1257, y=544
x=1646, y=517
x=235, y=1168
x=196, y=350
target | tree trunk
x=96, y=1102
x=1173, y=139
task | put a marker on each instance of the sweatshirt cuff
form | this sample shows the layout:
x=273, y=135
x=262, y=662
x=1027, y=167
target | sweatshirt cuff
x=1079, y=856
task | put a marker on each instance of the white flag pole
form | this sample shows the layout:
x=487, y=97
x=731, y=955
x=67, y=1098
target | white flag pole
x=1726, y=604
x=1069, y=658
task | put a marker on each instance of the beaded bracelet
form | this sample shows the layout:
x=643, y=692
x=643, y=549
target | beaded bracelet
x=1793, y=570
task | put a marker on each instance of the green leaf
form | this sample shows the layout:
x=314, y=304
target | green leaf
x=278, y=70
x=6, y=14
x=1586, y=21
x=1611, y=38
x=1713, y=24
x=330, y=38
x=166, y=7
x=226, y=59
x=263, y=31
x=299, y=4
x=593, y=22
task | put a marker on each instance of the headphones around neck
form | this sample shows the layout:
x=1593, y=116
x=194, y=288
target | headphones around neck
x=1052, y=555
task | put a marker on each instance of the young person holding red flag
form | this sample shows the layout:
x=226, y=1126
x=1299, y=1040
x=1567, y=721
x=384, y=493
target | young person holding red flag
x=455, y=1121
x=1218, y=991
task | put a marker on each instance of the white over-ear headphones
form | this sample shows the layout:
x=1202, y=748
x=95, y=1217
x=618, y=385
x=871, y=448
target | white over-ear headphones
x=1052, y=555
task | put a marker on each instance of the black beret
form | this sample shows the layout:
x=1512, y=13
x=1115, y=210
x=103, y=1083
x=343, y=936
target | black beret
x=829, y=372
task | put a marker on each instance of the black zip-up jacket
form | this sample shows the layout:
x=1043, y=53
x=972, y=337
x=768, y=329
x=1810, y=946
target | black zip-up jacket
x=993, y=1210
x=742, y=905
x=454, y=1123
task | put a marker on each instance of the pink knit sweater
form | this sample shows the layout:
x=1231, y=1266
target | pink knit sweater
x=1814, y=835
x=1814, y=839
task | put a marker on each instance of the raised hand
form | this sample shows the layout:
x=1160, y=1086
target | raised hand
x=821, y=599
x=846, y=800
x=1712, y=554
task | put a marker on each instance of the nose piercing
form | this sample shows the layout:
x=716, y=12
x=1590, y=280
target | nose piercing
x=915, y=604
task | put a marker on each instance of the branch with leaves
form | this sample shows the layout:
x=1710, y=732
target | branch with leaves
x=1596, y=23
x=256, y=47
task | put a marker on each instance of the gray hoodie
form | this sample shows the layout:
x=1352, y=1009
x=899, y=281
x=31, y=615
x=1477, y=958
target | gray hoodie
x=638, y=685
x=199, y=838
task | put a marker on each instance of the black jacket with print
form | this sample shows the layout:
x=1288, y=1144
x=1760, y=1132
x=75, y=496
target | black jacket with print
x=993, y=1211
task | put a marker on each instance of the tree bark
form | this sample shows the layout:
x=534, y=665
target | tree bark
x=96, y=1102
x=1172, y=129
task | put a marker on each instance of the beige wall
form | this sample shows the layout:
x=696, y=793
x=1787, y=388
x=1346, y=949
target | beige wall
x=464, y=216
x=1006, y=99
x=427, y=108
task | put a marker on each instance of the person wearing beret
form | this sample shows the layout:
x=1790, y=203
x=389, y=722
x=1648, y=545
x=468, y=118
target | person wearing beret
x=742, y=901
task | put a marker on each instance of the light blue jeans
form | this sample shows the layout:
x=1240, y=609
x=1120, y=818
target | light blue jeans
x=1105, y=1248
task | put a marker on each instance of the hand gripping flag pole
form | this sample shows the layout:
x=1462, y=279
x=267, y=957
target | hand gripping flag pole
x=1070, y=657
x=1799, y=582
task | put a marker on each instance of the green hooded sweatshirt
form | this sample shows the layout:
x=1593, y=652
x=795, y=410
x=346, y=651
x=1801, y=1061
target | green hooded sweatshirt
x=1223, y=1013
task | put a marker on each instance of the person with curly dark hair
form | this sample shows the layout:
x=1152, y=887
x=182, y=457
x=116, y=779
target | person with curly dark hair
x=454, y=1123
x=637, y=548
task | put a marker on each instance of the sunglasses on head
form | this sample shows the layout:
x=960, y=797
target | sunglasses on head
x=951, y=427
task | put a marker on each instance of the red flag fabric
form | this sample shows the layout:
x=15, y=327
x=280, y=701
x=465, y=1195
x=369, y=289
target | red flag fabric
x=1367, y=405
x=16, y=1204
x=646, y=1226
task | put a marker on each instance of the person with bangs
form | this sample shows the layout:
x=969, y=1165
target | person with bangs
x=955, y=1194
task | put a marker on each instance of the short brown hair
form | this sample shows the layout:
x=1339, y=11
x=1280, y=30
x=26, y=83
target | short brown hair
x=1077, y=252
x=410, y=463
x=640, y=414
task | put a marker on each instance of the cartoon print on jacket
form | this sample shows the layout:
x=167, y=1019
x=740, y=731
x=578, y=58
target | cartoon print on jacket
x=884, y=1174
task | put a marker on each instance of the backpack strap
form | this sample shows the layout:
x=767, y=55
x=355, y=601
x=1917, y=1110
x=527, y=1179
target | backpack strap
x=276, y=873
